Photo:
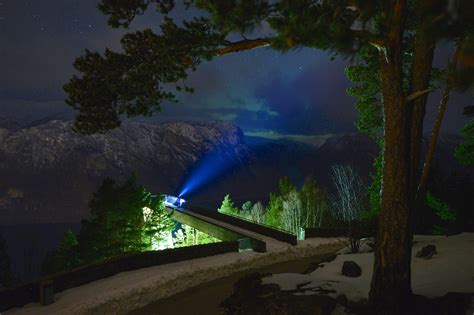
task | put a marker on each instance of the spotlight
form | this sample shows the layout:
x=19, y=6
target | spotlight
x=173, y=201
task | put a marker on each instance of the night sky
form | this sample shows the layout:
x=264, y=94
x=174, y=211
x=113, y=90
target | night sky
x=300, y=94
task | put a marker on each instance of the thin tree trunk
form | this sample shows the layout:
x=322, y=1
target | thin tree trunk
x=391, y=287
x=437, y=125
x=420, y=80
x=423, y=54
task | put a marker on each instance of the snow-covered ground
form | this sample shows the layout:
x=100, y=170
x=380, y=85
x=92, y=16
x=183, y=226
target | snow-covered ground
x=450, y=270
x=134, y=289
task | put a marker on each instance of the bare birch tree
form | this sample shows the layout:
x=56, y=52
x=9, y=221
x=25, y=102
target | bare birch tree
x=314, y=203
x=349, y=192
x=257, y=213
x=292, y=217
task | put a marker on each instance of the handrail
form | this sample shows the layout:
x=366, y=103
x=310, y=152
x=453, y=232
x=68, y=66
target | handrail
x=262, y=224
x=277, y=234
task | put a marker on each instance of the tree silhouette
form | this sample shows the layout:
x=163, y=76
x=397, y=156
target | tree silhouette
x=6, y=276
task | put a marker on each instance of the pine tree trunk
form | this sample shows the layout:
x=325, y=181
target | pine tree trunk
x=391, y=284
x=437, y=125
x=421, y=74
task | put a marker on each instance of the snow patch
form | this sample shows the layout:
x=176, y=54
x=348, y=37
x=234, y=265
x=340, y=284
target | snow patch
x=451, y=270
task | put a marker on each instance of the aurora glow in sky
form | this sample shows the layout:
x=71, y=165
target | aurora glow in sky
x=300, y=94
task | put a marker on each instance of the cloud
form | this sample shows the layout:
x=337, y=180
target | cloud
x=314, y=140
x=313, y=102
x=300, y=92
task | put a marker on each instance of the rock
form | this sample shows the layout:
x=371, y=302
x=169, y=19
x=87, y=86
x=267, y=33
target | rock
x=427, y=252
x=351, y=269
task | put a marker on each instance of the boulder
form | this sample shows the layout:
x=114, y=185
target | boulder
x=427, y=252
x=351, y=269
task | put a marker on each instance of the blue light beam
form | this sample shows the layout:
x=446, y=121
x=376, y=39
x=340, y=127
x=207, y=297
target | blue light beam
x=208, y=168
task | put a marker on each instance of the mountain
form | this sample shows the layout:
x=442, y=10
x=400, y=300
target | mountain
x=48, y=172
x=274, y=159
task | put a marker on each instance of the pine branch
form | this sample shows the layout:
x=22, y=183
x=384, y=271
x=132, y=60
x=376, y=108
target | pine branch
x=242, y=45
x=369, y=37
x=413, y=96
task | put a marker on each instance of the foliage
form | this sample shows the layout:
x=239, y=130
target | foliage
x=465, y=151
x=274, y=215
x=247, y=206
x=153, y=66
x=314, y=202
x=375, y=188
x=65, y=257
x=189, y=236
x=286, y=186
x=369, y=103
x=442, y=211
x=257, y=213
x=274, y=210
x=228, y=206
x=138, y=80
x=289, y=209
x=365, y=74
x=293, y=210
x=125, y=218
x=442, y=208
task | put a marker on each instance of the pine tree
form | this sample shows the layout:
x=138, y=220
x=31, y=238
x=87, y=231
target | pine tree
x=228, y=206
x=65, y=257
x=442, y=211
x=465, y=151
x=274, y=211
x=125, y=218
